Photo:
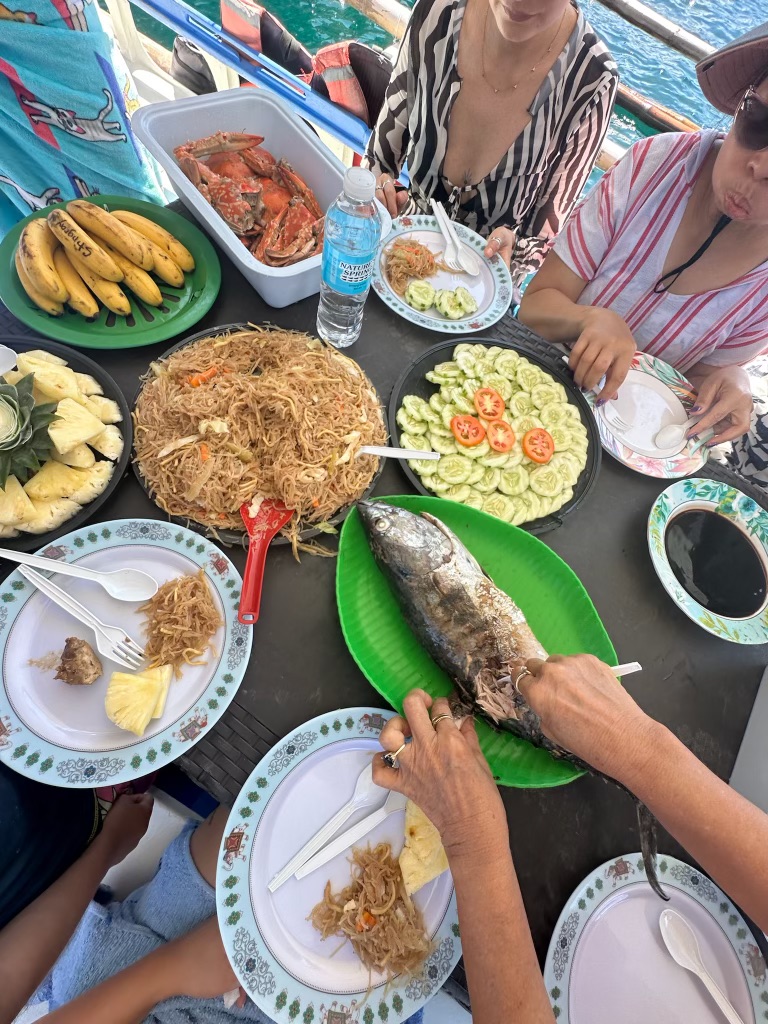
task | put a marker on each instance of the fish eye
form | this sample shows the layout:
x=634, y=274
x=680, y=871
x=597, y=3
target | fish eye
x=382, y=525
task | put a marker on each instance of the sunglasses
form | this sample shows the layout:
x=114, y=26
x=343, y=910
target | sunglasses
x=751, y=121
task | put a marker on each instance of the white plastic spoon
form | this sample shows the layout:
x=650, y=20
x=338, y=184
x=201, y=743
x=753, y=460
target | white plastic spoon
x=674, y=433
x=7, y=359
x=122, y=584
x=385, y=452
x=680, y=940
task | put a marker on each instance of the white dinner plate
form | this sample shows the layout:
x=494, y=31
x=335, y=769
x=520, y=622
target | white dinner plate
x=61, y=734
x=607, y=962
x=280, y=959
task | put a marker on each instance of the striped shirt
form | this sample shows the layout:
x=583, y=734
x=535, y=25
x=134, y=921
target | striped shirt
x=538, y=181
x=617, y=241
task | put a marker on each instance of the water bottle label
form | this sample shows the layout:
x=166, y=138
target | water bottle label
x=346, y=273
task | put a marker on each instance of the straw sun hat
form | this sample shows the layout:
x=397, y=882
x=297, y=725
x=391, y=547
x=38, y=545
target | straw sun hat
x=726, y=74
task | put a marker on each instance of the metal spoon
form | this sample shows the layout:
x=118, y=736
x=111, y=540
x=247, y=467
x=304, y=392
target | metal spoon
x=122, y=584
x=674, y=433
x=680, y=940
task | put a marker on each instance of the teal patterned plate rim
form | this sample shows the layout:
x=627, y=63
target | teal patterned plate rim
x=282, y=995
x=588, y=902
x=38, y=758
x=494, y=270
x=740, y=509
x=689, y=460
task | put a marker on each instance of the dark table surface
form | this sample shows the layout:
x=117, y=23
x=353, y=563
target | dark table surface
x=700, y=686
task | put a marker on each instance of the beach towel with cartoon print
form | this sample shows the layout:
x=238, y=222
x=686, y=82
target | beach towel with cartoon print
x=65, y=103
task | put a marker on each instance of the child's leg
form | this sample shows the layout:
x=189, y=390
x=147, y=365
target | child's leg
x=205, y=843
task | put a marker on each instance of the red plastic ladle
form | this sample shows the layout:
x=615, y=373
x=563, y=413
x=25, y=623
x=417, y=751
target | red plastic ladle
x=271, y=517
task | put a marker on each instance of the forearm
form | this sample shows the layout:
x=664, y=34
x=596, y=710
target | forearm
x=554, y=316
x=125, y=998
x=705, y=815
x=505, y=983
x=31, y=943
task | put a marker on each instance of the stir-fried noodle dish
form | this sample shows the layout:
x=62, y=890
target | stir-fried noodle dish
x=376, y=914
x=254, y=414
x=181, y=620
x=407, y=259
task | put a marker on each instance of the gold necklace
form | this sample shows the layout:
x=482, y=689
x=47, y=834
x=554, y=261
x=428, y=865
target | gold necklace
x=541, y=58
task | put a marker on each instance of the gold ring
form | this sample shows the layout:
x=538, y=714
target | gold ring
x=440, y=719
x=390, y=758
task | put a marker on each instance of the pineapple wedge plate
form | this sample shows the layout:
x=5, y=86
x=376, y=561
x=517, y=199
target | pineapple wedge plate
x=65, y=441
x=64, y=735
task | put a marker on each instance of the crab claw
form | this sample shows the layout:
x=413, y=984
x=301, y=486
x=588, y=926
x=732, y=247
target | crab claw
x=298, y=187
x=219, y=142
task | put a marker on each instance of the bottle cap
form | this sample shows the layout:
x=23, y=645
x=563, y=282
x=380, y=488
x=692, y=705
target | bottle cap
x=359, y=184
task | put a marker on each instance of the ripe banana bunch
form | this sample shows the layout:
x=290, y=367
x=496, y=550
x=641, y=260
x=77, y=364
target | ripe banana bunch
x=81, y=254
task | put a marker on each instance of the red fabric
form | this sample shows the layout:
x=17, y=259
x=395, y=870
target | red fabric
x=333, y=65
x=243, y=19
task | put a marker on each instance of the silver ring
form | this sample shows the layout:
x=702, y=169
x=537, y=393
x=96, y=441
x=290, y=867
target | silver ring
x=524, y=671
x=390, y=758
x=440, y=719
x=495, y=238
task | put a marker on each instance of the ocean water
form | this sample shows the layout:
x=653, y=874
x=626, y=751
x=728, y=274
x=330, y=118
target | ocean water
x=646, y=65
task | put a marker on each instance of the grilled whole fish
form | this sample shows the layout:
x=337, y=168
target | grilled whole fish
x=472, y=629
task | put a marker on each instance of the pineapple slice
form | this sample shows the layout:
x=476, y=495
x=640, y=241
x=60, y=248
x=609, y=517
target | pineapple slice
x=50, y=514
x=131, y=700
x=15, y=506
x=55, y=480
x=87, y=384
x=53, y=381
x=12, y=376
x=108, y=443
x=74, y=426
x=45, y=357
x=164, y=674
x=80, y=457
x=106, y=410
x=96, y=479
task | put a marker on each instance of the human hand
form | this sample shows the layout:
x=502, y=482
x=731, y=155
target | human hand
x=197, y=965
x=125, y=824
x=444, y=772
x=394, y=199
x=501, y=242
x=725, y=402
x=605, y=347
x=585, y=709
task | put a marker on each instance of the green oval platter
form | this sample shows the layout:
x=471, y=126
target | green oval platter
x=182, y=308
x=557, y=607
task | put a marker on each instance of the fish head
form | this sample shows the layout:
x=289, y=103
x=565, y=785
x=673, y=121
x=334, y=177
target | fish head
x=407, y=545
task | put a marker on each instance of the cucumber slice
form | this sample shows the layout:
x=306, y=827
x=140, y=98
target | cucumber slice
x=528, y=375
x=523, y=424
x=447, y=413
x=419, y=408
x=454, y=469
x=444, y=445
x=474, y=499
x=460, y=492
x=562, y=438
x=496, y=460
x=466, y=360
x=516, y=456
x=546, y=481
x=566, y=466
x=555, y=415
x=500, y=506
x=526, y=507
x=466, y=299
x=434, y=483
x=423, y=467
x=521, y=404
x=463, y=404
x=463, y=347
x=477, y=451
x=476, y=472
x=514, y=481
x=493, y=352
x=438, y=378
x=436, y=402
x=449, y=369
x=548, y=394
x=484, y=366
x=546, y=505
x=470, y=386
x=439, y=430
x=499, y=383
x=506, y=363
x=420, y=295
x=418, y=441
x=489, y=481
x=410, y=424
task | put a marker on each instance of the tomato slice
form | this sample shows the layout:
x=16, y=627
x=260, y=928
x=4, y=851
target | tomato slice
x=538, y=445
x=467, y=430
x=501, y=437
x=489, y=403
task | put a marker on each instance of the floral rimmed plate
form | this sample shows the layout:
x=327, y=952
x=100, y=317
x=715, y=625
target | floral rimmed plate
x=653, y=395
x=607, y=961
x=60, y=734
x=491, y=288
x=281, y=961
x=740, y=509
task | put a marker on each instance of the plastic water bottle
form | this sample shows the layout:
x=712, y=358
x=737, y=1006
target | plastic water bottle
x=352, y=234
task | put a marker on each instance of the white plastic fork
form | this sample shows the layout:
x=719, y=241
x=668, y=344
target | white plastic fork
x=450, y=255
x=111, y=641
x=461, y=260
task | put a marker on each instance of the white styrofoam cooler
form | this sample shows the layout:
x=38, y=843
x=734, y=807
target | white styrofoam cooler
x=163, y=126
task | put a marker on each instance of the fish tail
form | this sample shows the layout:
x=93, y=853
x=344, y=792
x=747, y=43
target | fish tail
x=647, y=825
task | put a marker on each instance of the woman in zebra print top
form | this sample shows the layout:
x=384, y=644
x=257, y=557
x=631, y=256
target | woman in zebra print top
x=498, y=108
